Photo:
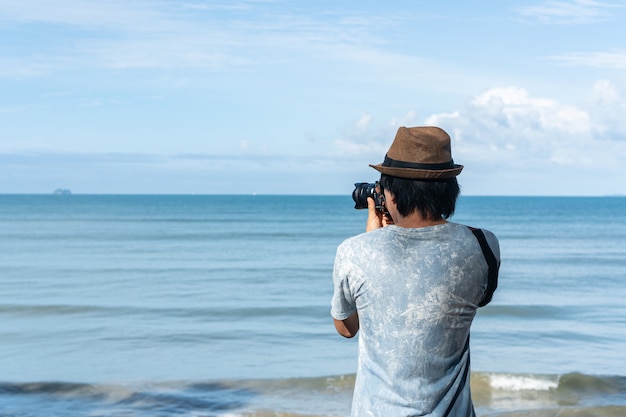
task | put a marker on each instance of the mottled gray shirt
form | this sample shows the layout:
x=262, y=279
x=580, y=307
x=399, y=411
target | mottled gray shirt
x=416, y=291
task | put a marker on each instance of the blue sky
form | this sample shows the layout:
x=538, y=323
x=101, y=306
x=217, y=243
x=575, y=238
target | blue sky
x=298, y=97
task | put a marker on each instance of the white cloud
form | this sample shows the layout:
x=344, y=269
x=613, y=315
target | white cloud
x=194, y=35
x=511, y=141
x=251, y=148
x=128, y=15
x=409, y=119
x=245, y=145
x=350, y=148
x=363, y=139
x=145, y=34
x=364, y=122
x=509, y=128
x=609, y=111
x=368, y=140
x=569, y=12
x=113, y=34
x=615, y=59
x=606, y=93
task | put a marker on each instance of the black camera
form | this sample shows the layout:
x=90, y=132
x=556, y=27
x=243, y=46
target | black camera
x=362, y=190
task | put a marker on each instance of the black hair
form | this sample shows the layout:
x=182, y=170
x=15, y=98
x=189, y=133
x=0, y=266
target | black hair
x=433, y=199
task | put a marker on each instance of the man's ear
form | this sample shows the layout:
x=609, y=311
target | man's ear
x=393, y=197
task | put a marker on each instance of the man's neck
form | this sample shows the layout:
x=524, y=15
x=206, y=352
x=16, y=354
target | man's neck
x=414, y=220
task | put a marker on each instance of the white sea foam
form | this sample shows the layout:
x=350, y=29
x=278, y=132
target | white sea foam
x=511, y=382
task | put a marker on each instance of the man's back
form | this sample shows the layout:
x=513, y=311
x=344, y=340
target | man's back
x=416, y=291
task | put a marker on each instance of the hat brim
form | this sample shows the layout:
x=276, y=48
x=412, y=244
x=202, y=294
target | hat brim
x=419, y=174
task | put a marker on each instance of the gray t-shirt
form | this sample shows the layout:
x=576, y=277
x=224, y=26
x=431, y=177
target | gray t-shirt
x=416, y=291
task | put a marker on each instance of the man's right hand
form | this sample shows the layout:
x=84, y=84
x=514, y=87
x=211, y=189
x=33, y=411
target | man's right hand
x=375, y=219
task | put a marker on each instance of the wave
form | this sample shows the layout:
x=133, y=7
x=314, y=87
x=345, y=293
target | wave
x=482, y=382
x=80, y=399
x=572, y=394
x=46, y=310
x=576, y=383
x=495, y=394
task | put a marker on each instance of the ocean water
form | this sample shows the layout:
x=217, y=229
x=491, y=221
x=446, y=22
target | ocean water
x=122, y=305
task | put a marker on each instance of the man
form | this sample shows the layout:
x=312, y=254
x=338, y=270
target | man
x=411, y=285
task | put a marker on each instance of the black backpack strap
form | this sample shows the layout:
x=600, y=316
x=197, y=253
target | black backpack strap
x=492, y=262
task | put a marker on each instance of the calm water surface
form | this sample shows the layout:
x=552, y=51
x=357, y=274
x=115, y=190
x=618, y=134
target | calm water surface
x=220, y=304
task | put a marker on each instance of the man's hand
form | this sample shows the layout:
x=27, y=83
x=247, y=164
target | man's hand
x=375, y=218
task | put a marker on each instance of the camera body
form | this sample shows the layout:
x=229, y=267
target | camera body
x=362, y=190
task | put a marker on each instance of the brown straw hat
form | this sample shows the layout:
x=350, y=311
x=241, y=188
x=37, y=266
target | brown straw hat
x=420, y=153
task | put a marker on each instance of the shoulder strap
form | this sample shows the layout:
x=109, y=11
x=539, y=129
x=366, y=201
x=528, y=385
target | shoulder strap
x=492, y=283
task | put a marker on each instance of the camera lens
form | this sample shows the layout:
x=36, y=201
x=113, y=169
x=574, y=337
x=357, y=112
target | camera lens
x=362, y=190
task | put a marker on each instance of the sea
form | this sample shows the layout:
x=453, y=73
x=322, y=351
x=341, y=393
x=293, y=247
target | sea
x=219, y=306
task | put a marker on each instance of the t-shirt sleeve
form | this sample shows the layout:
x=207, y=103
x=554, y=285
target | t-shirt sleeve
x=343, y=304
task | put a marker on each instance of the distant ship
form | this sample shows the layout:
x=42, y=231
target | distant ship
x=62, y=191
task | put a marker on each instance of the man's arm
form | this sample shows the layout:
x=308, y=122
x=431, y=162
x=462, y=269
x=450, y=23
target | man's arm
x=348, y=327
